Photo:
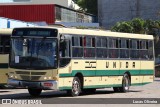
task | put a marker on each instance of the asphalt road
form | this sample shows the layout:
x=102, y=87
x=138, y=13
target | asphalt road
x=151, y=90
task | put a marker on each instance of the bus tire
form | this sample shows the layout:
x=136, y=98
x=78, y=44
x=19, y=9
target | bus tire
x=125, y=84
x=76, y=87
x=34, y=92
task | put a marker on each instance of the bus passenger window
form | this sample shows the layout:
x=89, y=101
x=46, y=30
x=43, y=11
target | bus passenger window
x=64, y=49
x=134, y=51
x=88, y=41
x=64, y=53
x=101, y=47
x=150, y=50
x=143, y=49
x=113, y=48
x=98, y=42
x=75, y=41
x=124, y=45
x=77, y=50
x=89, y=49
x=93, y=42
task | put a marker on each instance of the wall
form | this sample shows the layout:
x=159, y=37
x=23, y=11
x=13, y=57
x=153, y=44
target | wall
x=29, y=13
x=112, y=11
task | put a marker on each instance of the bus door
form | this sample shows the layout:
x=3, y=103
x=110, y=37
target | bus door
x=4, y=55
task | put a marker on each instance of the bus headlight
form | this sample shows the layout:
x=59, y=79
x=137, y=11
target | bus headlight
x=11, y=75
x=45, y=78
x=49, y=78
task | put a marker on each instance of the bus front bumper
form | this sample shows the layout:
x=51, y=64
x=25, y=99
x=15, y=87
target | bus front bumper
x=45, y=85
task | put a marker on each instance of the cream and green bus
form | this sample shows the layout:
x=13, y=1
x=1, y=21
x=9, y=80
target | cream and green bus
x=79, y=60
x=5, y=35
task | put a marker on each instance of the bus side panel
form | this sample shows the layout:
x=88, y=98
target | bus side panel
x=133, y=67
x=3, y=76
x=109, y=72
x=3, y=68
x=65, y=77
x=147, y=72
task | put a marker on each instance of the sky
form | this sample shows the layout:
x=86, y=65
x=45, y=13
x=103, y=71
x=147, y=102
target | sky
x=6, y=1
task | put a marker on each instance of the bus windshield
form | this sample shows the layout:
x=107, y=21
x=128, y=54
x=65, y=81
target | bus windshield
x=33, y=53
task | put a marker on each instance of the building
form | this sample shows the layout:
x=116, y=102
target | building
x=49, y=13
x=65, y=3
x=112, y=11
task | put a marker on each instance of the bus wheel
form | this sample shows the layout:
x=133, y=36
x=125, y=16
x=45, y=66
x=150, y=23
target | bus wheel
x=76, y=87
x=125, y=83
x=34, y=92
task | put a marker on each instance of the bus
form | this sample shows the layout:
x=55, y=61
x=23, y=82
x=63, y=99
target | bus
x=4, y=54
x=79, y=60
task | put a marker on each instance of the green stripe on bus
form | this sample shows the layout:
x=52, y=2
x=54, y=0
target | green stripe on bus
x=104, y=86
x=3, y=65
x=65, y=88
x=139, y=84
x=87, y=73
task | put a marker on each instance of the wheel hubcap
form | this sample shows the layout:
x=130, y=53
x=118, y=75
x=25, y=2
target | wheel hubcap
x=75, y=87
x=126, y=84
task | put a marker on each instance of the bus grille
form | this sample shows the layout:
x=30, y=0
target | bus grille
x=34, y=78
x=22, y=72
x=38, y=73
x=26, y=75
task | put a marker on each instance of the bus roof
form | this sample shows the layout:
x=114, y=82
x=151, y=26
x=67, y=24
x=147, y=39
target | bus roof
x=104, y=33
x=97, y=32
x=6, y=31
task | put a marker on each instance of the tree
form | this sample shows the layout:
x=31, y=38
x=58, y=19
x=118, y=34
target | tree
x=123, y=27
x=138, y=26
x=89, y=6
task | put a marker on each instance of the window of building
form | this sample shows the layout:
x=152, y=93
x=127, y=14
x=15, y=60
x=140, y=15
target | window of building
x=58, y=13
